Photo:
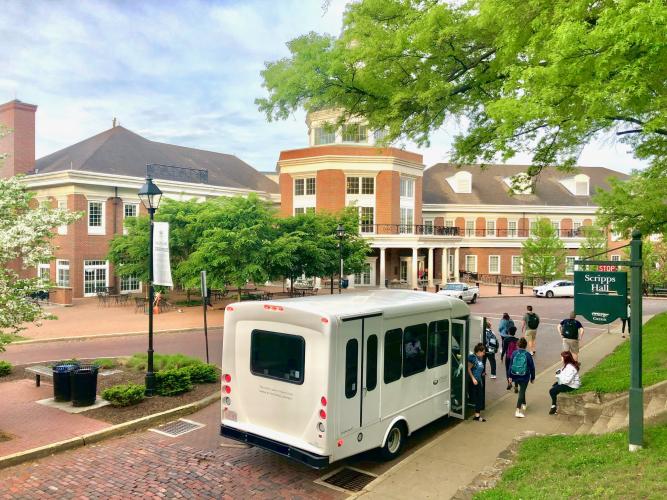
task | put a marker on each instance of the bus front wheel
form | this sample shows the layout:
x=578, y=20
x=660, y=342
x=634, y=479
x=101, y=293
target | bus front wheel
x=395, y=441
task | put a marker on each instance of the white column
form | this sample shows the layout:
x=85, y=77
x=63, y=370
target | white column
x=445, y=266
x=457, y=276
x=430, y=267
x=350, y=280
x=414, y=278
x=383, y=268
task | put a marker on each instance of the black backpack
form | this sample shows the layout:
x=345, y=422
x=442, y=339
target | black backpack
x=491, y=342
x=570, y=329
x=533, y=321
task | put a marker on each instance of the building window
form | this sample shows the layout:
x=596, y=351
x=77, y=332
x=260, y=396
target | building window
x=129, y=284
x=367, y=185
x=615, y=257
x=581, y=188
x=512, y=229
x=130, y=210
x=353, y=185
x=470, y=228
x=62, y=205
x=471, y=263
x=450, y=262
x=95, y=273
x=303, y=210
x=517, y=264
x=490, y=228
x=449, y=222
x=367, y=219
x=407, y=220
x=304, y=187
x=310, y=186
x=407, y=187
x=428, y=226
x=569, y=264
x=62, y=272
x=363, y=278
x=95, y=217
x=533, y=227
x=324, y=135
x=494, y=264
x=556, y=225
x=355, y=133
x=44, y=271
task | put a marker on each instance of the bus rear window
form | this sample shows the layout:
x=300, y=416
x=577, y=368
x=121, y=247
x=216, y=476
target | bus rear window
x=277, y=355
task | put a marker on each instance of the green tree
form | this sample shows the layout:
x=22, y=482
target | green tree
x=543, y=77
x=26, y=233
x=543, y=252
x=654, y=256
x=595, y=243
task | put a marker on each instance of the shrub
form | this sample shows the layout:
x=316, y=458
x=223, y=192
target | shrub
x=161, y=362
x=105, y=363
x=5, y=368
x=173, y=382
x=124, y=395
x=202, y=374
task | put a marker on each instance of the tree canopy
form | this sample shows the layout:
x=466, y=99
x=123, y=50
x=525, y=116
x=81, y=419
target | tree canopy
x=543, y=252
x=543, y=77
x=594, y=244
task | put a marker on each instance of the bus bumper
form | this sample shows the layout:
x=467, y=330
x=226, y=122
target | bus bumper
x=302, y=456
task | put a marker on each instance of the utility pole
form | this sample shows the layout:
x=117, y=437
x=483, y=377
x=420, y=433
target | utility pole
x=636, y=396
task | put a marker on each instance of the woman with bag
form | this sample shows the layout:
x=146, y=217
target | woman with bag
x=522, y=371
x=567, y=379
x=476, y=380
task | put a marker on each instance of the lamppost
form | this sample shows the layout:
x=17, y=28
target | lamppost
x=340, y=234
x=150, y=196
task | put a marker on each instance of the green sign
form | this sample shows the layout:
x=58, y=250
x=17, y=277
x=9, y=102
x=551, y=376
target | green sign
x=600, y=297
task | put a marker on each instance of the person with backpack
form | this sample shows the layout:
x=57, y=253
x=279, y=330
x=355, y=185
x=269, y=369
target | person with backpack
x=509, y=346
x=522, y=371
x=567, y=379
x=505, y=324
x=529, y=328
x=491, y=344
x=572, y=332
x=476, y=380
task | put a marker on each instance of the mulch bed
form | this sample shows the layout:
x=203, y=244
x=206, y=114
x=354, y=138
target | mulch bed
x=148, y=406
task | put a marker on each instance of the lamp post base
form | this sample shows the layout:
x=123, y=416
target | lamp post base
x=635, y=447
x=150, y=384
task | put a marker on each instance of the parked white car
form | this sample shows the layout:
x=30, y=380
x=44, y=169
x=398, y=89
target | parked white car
x=461, y=291
x=557, y=288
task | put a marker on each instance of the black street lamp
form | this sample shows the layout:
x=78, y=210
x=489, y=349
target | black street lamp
x=340, y=234
x=150, y=196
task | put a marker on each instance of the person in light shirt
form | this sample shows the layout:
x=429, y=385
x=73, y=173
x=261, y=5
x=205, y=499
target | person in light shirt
x=567, y=379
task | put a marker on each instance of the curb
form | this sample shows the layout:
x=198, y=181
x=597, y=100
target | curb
x=113, y=431
x=110, y=335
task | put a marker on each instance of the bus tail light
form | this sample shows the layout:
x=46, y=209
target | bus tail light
x=323, y=415
x=227, y=377
x=324, y=320
x=229, y=308
x=340, y=443
x=323, y=401
x=227, y=389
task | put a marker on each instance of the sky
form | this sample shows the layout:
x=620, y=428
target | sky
x=185, y=72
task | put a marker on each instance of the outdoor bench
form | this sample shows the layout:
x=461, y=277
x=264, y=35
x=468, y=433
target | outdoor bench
x=39, y=371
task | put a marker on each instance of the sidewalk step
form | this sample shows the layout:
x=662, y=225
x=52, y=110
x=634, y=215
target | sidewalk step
x=656, y=405
x=617, y=421
x=600, y=426
x=584, y=428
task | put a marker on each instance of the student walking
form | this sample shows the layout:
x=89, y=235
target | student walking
x=572, y=332
x=509, y=346
x=476, y=373
x=567, y=379
x=491, y=344
x=624, y=322
x=505, y=324
x=529, y=328
x=522, y=371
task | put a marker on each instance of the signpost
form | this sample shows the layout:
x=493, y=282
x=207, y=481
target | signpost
x=204, y=300
x=600, y=296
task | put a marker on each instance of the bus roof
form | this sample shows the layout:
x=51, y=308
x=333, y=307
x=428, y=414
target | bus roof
x=389, y=303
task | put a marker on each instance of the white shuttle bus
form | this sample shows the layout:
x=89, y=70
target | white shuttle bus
x=318, y=379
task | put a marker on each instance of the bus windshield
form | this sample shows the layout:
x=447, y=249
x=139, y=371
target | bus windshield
x=277, y=355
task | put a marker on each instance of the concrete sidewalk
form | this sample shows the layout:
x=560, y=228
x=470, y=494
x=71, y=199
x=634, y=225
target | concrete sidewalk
x=455, y=458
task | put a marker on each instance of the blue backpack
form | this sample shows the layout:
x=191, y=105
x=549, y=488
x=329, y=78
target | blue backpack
x=519, y=363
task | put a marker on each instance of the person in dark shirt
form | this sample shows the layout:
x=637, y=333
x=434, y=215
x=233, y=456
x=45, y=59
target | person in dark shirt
x=476, y=380
x=509, y=346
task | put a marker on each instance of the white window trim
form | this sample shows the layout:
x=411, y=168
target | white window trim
x=372, y=231
x=126, y=204
x=136, y=290
x=516, y=229
x=616, y=257
x=372, y=262
x=465, y=261
x=567, y=258
x=96, y=230
x=425, y=225
x=105, y=266
x=44, y=266
x=60, y=266
x=466, y=229
x=491, y=234
x=520, y=271
x=494, y=272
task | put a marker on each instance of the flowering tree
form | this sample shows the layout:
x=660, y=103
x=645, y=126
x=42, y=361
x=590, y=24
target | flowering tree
x=26, y=230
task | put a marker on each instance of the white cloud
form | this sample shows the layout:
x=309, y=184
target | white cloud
x=185, y=72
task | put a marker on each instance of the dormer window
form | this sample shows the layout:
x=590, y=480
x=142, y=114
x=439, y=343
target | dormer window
x=461, y=182
x=581, y=185
x=324, y=135
x=520, y=183
x=355, y=133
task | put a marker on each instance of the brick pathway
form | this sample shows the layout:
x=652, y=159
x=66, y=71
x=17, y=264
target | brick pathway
x=33, y=425
x=152, y=466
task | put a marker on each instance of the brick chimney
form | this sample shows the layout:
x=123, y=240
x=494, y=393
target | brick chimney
x=19, y=143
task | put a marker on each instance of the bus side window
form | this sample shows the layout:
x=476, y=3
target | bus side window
x=414, y=349
x=371, y=362
x=351, y=365
x=438, y=340
x=393, y=344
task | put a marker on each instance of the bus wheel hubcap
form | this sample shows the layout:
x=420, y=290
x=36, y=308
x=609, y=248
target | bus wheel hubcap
x=394, y=440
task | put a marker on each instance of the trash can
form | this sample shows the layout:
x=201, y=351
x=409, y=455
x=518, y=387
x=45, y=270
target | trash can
x=62, y=389
x=84, y=385
x=344, y=283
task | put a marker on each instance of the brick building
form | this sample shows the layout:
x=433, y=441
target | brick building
x=429, y=223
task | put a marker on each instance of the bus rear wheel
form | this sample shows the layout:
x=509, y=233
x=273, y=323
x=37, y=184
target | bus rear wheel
x=395, y=441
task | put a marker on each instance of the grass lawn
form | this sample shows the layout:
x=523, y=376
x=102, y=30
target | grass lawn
x=612, y=374
x=586, y=467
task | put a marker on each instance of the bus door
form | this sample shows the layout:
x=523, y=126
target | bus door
x=359, y=400
x=458, y=348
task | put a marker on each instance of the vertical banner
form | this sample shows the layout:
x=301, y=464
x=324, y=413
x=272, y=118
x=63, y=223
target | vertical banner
x=161, y=265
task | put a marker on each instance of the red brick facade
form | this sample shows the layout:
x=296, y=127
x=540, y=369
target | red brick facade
x=330, y=190
x=387, y=194
x=19, y=143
